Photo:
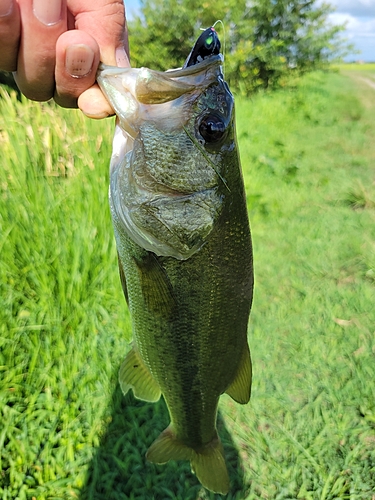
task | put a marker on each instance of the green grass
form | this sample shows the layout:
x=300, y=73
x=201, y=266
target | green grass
x=309, y=432
x=358, y=67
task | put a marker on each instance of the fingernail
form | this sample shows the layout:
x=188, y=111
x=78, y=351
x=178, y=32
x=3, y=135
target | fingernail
x=122, y=59
x=79, y=59
x=6, y=7
x=47, y=11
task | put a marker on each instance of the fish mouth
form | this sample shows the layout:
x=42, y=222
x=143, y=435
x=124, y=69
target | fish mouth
x=132, y=92
x=105, y=70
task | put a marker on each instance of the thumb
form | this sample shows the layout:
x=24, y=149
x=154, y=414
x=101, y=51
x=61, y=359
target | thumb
x=105, y=21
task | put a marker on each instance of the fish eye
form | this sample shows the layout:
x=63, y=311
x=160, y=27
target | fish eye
x=212, y=128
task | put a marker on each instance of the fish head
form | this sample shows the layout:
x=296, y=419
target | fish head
x=174, y=132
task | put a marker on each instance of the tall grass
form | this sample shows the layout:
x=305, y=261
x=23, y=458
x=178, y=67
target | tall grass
x=62, y=316
x=309, y=432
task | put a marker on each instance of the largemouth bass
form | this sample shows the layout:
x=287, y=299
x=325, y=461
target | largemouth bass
x=185, y=257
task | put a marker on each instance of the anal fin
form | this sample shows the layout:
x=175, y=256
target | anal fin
x=135, y=375
x=240, y=388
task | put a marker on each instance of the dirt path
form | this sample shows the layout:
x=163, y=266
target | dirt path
x=360, y=78
x=369, y=82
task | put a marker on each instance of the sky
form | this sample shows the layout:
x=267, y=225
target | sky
x=359, y=16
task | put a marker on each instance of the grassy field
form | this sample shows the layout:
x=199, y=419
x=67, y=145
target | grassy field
x=66, y=432
x=357, y=67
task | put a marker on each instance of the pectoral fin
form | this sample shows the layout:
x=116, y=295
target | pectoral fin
x=135, y=375
x=157, y=290
x=240, y=388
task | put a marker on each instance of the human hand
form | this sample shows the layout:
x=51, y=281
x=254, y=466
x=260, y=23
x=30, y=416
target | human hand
x=54, y=48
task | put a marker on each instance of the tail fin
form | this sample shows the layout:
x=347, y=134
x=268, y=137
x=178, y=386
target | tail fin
x=208, y=463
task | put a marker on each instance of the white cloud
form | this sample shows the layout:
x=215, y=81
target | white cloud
x=360, y=8
x=360, y=31
x=355, y=26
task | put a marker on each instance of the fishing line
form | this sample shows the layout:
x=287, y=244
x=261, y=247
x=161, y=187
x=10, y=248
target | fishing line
x=206, y=157
x=224, y=40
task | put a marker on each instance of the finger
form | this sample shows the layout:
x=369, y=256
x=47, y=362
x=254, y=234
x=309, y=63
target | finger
x=105, y=21
x=77, y=59
x=10, y=30
x=93, y=103
x=42, y=21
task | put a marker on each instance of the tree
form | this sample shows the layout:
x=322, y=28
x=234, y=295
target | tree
x=291, y=35
x=162, y=36
x=264, y=40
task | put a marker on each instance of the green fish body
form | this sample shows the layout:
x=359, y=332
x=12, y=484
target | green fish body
x=180, y=219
